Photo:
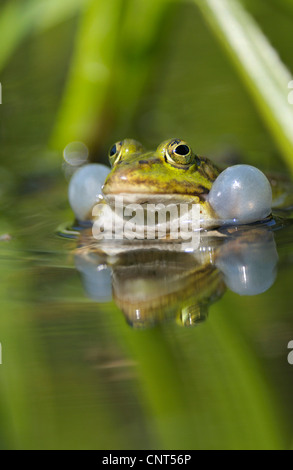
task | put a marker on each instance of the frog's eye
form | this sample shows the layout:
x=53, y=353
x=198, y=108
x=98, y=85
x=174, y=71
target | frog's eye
x=179, y=153
x=115, y=152
x=124, y=149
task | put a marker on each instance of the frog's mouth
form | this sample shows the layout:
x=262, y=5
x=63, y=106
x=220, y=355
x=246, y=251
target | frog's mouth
x=124, y=199
x=119, y=189
x=152, y=202
x=124, y=191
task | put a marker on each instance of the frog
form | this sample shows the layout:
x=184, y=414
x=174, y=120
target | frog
x=175, y=174
x=146, y=274
x=172, y=174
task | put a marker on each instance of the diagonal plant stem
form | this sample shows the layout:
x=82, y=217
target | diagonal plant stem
x=258, y=64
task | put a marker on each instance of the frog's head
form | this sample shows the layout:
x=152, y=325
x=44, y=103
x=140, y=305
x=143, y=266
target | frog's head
x=172, y=173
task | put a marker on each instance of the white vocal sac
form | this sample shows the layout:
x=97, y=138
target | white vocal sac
x=85, y=187
x=241, y=194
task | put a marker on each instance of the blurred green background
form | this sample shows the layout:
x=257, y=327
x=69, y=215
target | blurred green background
x=74, y=374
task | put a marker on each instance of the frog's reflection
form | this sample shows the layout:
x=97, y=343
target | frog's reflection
x=151, y=283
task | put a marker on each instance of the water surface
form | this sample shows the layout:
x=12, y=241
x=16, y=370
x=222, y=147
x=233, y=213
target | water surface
x=77, y=373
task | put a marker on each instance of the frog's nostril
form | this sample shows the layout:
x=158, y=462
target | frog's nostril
x=144, y=162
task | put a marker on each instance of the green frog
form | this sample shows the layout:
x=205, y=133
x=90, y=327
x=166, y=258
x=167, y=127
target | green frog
x=171, y=174
x=174, y=174
x=152, y=281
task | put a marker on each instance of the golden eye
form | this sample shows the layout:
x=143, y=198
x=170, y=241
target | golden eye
x=115, y=152
x=123, y=150
x=179, y=153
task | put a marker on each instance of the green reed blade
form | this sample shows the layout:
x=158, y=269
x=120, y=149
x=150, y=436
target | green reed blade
x=113, y=55
x=258, y=64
